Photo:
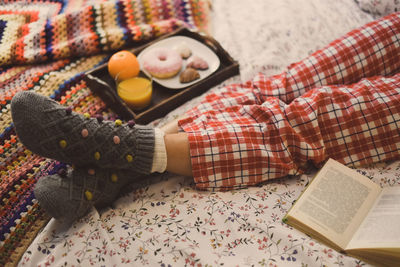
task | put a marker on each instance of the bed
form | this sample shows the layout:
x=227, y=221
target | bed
x=163, y=220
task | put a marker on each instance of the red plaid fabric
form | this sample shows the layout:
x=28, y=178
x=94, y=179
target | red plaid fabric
x=341, y=102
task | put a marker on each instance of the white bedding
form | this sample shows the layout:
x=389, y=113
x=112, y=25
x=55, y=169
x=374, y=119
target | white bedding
x=168, y=223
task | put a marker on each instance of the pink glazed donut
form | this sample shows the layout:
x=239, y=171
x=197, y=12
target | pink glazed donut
x=162, y=62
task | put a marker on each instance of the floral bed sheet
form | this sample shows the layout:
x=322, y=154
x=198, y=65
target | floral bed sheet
x=164, y=221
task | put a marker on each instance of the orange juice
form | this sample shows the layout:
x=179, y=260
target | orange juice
x=135, y=92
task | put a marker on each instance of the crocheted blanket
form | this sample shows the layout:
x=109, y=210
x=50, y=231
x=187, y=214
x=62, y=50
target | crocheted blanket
x=46, y=46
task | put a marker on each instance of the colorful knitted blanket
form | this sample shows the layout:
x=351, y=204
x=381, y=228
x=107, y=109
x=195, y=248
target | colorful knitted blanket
x=47, y=46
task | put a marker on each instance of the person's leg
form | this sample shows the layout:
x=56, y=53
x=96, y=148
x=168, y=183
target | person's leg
x=245, y=145
x=370, y=50
x=238, y=147
x=54, y=131
x=178, y=157
x=107, y=155
x=172, y=126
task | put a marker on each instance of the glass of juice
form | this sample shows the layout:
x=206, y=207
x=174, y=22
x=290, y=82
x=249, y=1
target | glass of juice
x=136, y=92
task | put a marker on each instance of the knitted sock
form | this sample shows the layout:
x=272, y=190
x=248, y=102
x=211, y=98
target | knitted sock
x=70, y=195
x=53, y=131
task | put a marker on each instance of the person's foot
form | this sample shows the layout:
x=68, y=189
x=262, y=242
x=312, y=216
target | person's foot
x=71, y=194
x=53, y=131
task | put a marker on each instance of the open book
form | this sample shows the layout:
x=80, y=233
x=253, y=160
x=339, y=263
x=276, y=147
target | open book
x=350, y=213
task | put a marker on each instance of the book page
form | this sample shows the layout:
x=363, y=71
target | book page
x=336, y=202
x=381, y=227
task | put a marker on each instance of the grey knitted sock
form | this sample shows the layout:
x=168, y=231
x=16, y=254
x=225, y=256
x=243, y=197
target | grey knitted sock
x=70, y=195
x=53, y=131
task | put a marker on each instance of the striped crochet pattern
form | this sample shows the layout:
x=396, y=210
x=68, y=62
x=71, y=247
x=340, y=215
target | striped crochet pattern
x=48, y=30
x=47, y=46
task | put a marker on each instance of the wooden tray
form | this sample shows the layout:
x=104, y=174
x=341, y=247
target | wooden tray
x=164, y=99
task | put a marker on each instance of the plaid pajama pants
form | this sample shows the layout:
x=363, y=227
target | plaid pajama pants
x=341, y=102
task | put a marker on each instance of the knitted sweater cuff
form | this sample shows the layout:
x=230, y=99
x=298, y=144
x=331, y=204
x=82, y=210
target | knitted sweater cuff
x=145, y=138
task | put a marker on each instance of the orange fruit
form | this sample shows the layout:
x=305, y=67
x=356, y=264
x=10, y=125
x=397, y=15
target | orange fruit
x=123, y=65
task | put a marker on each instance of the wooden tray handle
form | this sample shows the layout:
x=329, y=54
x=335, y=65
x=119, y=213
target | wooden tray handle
x=109, y=96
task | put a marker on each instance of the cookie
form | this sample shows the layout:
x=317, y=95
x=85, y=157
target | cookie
x=189, y=75
x=197, y=62
x=183, y=50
